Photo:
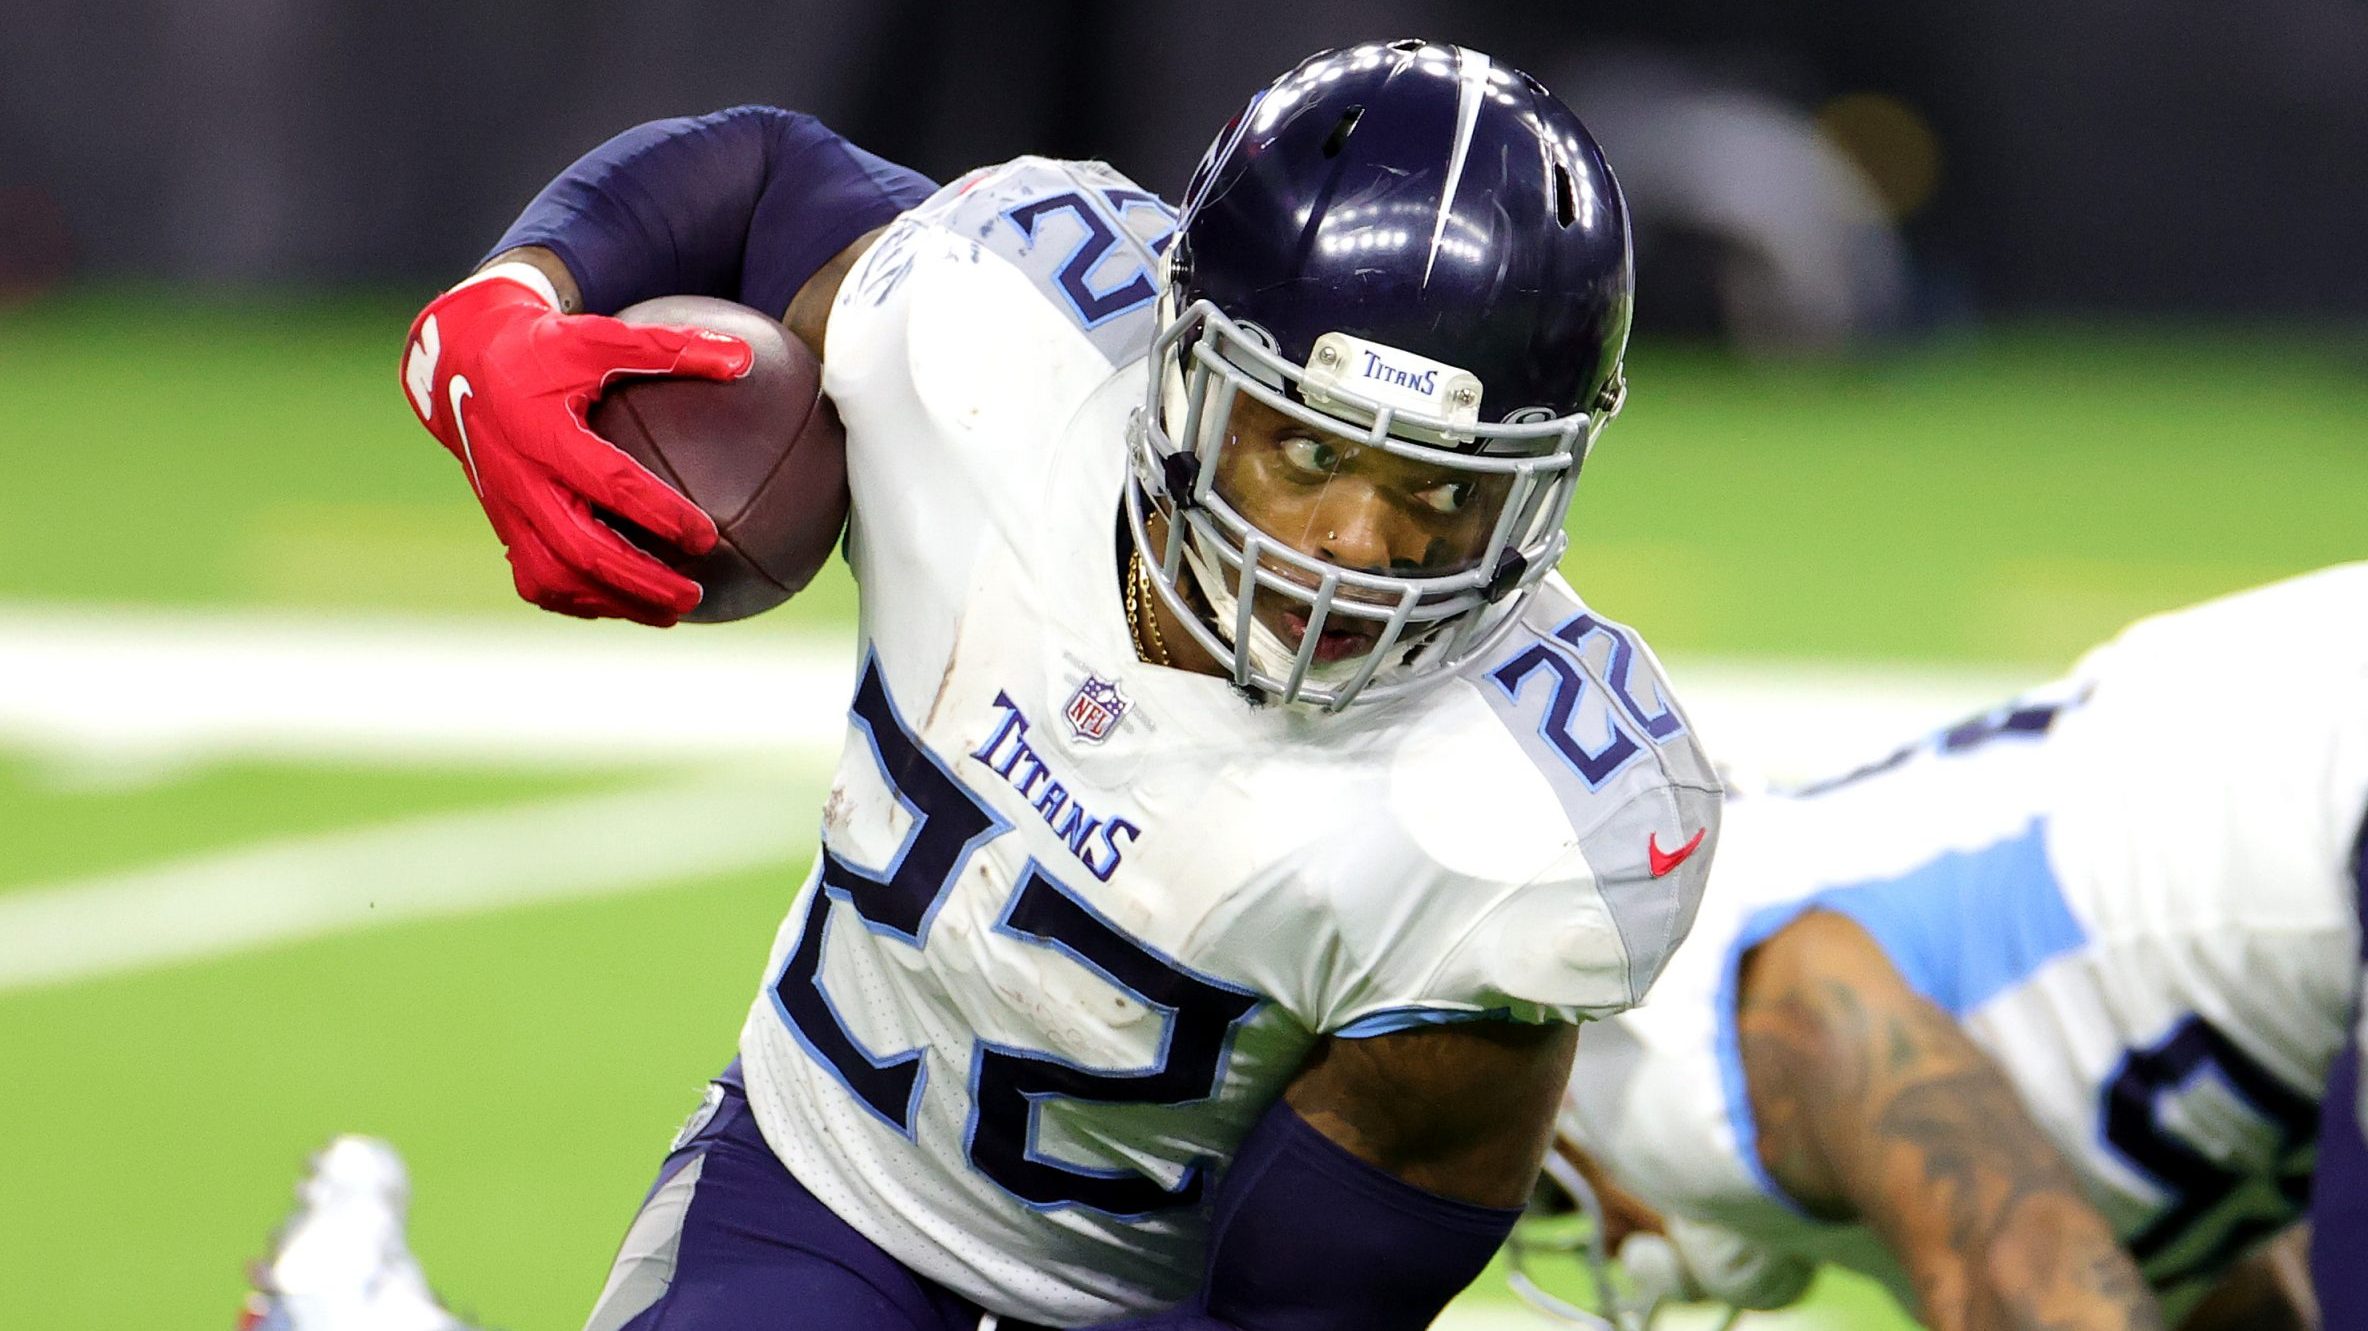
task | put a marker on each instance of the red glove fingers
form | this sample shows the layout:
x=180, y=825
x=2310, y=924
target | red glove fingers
x=541, y=579
x=597, y=469
x=545, y=521
x=504, y=382
x=563, y=548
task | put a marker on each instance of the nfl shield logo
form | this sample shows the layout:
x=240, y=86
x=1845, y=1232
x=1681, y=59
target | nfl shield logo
x=1095, y=709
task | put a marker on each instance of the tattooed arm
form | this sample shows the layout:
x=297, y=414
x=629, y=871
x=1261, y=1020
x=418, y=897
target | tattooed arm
x=1872, y=1105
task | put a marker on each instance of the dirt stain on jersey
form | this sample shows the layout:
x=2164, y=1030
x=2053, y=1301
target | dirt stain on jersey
x=945, y=677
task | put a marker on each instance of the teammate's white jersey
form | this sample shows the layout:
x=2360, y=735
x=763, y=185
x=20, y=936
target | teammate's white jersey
x=1078, y=919
x=2133, y=888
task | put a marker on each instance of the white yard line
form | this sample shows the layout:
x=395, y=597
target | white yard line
x=156, y=688
x=420, y=868
x=1798, y=720
x=161, y=686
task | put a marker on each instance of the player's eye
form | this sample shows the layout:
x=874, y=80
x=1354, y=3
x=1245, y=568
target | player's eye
x=1313, y=457
x=1447, y=496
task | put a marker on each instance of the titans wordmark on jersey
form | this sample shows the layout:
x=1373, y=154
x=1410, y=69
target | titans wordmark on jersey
x=1076, y=919
x=2133, y=888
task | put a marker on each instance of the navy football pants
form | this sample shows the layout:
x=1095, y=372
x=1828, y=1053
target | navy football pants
x=730, y=1241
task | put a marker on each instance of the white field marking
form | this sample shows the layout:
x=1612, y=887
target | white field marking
x=1798, y=720
x=146, y=689
x=155, y=687
x=448, y=864
x=143, y=690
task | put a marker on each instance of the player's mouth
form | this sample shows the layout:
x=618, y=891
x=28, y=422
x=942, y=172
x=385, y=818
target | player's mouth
x=1333, y=644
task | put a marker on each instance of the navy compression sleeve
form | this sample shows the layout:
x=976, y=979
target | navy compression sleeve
x=1307, y=1237
x=2339, y=1186
x=745, y=204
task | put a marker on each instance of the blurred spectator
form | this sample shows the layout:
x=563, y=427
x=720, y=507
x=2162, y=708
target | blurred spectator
x=1750, y=222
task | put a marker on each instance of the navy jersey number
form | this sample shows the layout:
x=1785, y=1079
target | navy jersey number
x=2207, y=1221
x=1569, y=688
x=2022, y=720
x=1094, y=303
x=1008, y=1086
x=948, y=824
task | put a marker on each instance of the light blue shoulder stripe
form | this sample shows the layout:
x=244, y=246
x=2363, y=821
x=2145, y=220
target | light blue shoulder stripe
x=1389, y=1021
x=1968, y=924
x=1960, y=928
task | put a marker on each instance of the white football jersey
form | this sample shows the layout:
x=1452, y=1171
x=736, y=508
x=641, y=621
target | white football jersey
x=2133, y=888
x=1078, y=919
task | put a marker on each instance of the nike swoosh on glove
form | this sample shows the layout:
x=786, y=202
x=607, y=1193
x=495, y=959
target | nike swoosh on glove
x=504, y=380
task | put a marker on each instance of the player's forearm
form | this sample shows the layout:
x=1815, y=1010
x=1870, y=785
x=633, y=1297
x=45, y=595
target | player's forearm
x=1306, y=1235
x=809, y=311
x=1381, y=1100
x=1382, y=1184
x=2052, y=1265
x=1872, y=1104
x=745, y=204
x=1949, y=1169
x=1980, y=1207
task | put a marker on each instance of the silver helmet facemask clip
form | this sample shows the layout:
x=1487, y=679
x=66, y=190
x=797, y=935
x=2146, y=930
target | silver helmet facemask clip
x=1423, y=624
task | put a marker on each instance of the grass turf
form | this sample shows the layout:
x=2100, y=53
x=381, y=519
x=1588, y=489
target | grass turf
x=530, y=1064
x=2008, y=499
x=87, y=818
x=2013, y=497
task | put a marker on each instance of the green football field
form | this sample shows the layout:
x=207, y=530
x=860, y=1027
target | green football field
x=219, y=946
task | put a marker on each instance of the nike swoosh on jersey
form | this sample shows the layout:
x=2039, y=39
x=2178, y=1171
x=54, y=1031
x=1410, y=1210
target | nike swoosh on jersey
x=456, y=391
x=1665, y=860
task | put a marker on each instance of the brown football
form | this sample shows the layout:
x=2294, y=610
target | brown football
x=763, y=455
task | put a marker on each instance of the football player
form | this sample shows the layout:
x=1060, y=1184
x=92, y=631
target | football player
x=1238, y=813
x=2042, y=1021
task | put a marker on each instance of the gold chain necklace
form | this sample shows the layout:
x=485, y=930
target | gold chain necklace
x=1142, y=621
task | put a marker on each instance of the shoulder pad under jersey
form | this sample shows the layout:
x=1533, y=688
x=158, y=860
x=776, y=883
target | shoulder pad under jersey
x=1088, y=239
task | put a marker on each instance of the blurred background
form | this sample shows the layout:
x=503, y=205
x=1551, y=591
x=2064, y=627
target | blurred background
x=1993, y=159
x=1966, y=334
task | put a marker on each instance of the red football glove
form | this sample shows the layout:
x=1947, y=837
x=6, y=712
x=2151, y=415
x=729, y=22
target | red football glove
x=503, y=380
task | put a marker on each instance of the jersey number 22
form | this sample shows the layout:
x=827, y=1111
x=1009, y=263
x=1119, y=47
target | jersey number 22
x=1007, y=1085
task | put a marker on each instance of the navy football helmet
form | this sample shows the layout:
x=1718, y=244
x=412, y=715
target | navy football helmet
x=1407, y=249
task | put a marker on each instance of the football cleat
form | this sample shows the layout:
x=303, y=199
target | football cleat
x=341, y=1263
